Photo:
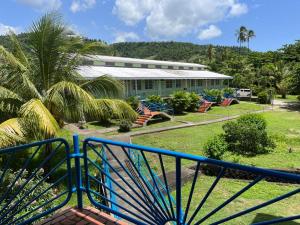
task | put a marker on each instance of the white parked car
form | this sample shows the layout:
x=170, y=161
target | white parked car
x=243, y=93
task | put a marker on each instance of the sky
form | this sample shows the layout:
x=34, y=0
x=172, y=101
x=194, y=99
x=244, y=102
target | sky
x=275, y=22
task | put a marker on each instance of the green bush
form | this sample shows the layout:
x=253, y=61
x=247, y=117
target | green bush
x=216, y=147
x=194, y=101
x=215, y=93
x=263, y=97
x=33, y=189
x=228, y=91
x=125, y=126
x=298, y=97
x=155, y=99
x=179, y=101
x=248, y=136
x=133, y=102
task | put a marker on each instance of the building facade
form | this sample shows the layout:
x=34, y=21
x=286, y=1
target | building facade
x=152, y=77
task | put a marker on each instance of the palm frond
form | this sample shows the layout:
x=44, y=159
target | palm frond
x=11, y=133
x=104, y=86
x=16, y=76
x=68, y=101
x=10, y=103
x=11, y=60
x=18, y=51
x=114, y=109
x=39, y=121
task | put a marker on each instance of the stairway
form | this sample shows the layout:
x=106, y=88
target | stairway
x=205, y=106
x=229, y=101
x=146, y=115
x=143, y=119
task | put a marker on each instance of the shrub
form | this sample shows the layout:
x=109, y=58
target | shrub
x=125, y=126
x=35, y=188
x=298, y=97
x=155, y=99
x=133, y=101
x=194, y=101
x=179, y=101
x=216, y=147
x=248, y=135
x=216, y=94
x=263, y=97
x=228, y=92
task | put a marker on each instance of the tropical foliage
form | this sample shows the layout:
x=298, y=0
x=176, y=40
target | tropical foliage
x=40, y=89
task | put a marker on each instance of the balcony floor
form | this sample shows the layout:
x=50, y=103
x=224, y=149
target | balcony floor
x=86, y=216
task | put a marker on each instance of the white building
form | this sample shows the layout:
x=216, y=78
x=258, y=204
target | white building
x=142, y=77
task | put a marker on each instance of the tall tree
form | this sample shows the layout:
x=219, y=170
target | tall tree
x=40, y=88
x=249, y=35
x=241, y=35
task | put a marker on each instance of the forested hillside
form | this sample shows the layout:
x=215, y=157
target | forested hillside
x=261, y=71
x=176, y=51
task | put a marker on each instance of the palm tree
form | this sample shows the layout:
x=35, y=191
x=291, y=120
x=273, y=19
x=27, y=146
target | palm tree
x=241, y=35
x=250, y=34
x=40, y=89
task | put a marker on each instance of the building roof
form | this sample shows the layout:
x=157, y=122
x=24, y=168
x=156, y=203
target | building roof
x=115, y=59
x=123, y=73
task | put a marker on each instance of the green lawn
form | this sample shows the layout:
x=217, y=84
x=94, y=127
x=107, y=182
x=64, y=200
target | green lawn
x=219, y=112
x=260, y=193
x=289, y=98
x=284, y=126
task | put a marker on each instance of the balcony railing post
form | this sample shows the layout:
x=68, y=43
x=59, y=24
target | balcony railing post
x=178, y=190
x=77, y=156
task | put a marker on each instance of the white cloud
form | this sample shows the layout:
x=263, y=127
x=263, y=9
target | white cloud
x=5, y=29
x=238, y=9
x=82, y=5
x=126, y=36
x=43, y=5
x=133, y=11
x=173, y=18
x=211, y=32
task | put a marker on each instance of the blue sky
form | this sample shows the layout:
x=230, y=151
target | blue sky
x=275, y=22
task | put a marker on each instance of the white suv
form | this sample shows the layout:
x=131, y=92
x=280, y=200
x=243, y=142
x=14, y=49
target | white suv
x=246, y=93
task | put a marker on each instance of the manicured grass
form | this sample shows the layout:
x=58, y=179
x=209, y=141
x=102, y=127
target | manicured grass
x=289, y=98
x=282, y=125
x=219, y=112
x=260, y=193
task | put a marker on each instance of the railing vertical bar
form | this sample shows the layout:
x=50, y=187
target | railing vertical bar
x=191, y=192
x=78, y=171
x=178, y=190
x=220, y=174
x=166, y=183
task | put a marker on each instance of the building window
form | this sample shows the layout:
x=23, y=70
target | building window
x=191, y=68
x=144, y=66
x=169, y=84
x=217, y=82
x=170, y=67
x=87, y=62
x=193, y=83
x=178, y=83
x=200, y=83
x=128, y=65
x=136, y=65
x=181, y=67
x=212, y=82
x=109, y=64
x=136, y=85
x=158, y=66
x=148, y=84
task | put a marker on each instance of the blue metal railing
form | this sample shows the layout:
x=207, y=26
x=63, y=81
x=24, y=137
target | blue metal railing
x=145, y=185
x=139, y=204
x=30, y=188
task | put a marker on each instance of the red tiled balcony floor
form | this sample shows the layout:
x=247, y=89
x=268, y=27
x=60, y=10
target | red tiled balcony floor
x=86, y=216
